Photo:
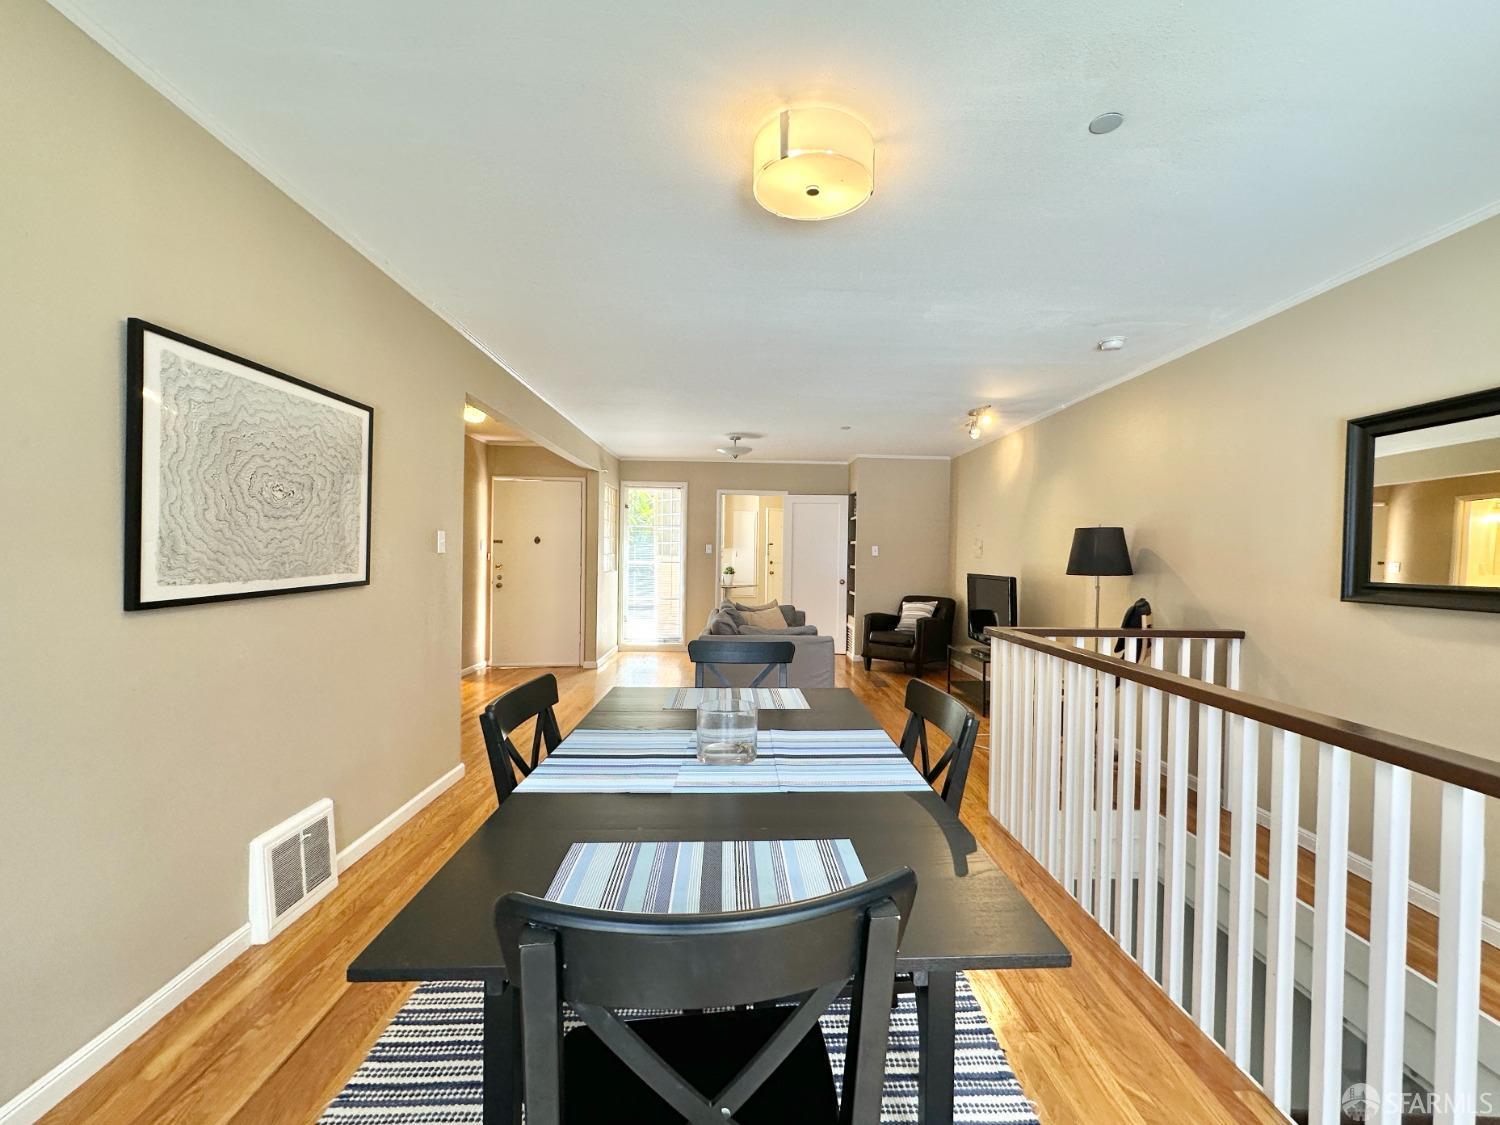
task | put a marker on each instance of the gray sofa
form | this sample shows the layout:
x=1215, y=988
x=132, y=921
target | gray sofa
x=812, y=667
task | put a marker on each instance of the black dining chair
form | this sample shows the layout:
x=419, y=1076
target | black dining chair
x=926, y=704
x=535, y=699
x=767, y=1064
x=707, y=654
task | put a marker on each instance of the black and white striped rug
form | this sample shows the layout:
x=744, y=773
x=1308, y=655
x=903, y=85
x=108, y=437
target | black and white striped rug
x=425, y=1068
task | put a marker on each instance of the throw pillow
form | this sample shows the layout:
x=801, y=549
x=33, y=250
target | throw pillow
x=787, y=631
x=912, y=612
x=769, y=618
x=742, y=607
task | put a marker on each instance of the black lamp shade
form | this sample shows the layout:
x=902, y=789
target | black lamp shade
x=1099, y=550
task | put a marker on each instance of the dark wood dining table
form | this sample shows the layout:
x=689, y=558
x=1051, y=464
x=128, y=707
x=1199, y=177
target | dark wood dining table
x=967, y=915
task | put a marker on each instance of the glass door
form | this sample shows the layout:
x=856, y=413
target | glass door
x=651, y=574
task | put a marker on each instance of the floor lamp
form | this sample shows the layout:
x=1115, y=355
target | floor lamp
x=1099, y=551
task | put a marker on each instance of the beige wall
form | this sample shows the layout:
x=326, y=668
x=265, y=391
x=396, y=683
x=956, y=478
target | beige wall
x=474, y=633
x=143, y=751
x=902, y=508
x=704, y=479
x=1226, y=469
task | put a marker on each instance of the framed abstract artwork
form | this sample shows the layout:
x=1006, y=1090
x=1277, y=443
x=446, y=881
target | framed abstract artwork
x=241, y=481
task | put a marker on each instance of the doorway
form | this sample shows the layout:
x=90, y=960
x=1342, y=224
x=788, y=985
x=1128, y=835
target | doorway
x=536, y=572
x=751, y=551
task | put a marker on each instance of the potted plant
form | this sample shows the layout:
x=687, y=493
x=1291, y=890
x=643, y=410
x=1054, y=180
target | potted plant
x=728, y=576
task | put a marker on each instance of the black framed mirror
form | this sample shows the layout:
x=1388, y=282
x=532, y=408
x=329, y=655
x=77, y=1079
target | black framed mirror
x=1422, y=505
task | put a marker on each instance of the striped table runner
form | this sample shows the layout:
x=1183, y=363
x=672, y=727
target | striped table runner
x=774, y=699
x=698, y=877
x=665, y=761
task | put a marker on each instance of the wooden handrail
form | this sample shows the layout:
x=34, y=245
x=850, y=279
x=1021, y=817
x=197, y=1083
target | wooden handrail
x=1163, y=634
x=1425, y=758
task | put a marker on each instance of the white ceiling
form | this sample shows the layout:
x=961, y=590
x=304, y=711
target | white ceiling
x=570, y=184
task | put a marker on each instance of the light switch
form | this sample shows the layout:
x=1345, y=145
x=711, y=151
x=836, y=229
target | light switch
x=442, y=543
x=708, y=548
x=979, y=548
x=874, y=550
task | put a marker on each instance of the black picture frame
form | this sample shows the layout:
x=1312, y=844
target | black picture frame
x=138, y=334
x=1359, y=484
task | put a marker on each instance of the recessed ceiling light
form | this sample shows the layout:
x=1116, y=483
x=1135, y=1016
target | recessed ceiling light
x=813, y=163
x=1106, y=123
x=473, y=415
x=1111, y=343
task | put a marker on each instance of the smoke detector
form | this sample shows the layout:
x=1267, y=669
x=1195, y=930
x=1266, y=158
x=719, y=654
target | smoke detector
x=734, y=450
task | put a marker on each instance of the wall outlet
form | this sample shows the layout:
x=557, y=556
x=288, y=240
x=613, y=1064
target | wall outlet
x=442, y=543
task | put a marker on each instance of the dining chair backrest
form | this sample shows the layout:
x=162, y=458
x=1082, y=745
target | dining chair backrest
x=535, y=699
x=601, y=961
x=926, y=704
x=707, y=653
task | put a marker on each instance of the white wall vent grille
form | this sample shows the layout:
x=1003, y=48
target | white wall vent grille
x=291, y=867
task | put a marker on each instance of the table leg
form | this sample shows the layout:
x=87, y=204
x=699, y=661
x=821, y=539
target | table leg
x=502, y=1040
x=935, y=1030
x=984, y=688
x=948, y=685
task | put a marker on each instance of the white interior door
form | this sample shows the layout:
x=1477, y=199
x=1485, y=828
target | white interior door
x=536, y=572
x=816, y=559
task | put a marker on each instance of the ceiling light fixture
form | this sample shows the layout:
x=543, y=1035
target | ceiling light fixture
x=1106, y=123
x=734, y=450
x=473, y=415
x=1111, y=343
x=980, y=418
x=813, y=163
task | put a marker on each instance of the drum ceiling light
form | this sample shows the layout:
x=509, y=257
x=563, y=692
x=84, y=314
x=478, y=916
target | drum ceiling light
x=813, y=163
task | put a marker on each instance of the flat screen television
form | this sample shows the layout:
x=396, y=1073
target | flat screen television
x=991, y=601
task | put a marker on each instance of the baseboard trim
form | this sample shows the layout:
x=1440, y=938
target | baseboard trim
x=51, y=1088
x=472, y=668
x=361, y=847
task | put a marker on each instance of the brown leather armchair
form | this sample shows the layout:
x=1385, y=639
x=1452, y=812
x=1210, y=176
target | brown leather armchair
x=883, y=641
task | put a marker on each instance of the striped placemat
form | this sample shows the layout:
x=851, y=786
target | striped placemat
x=772, y=698
x=702, y=877
x=657, y=761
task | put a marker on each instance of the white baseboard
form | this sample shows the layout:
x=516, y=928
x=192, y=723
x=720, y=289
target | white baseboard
x=355, y=851
x=472, y=668
x=51, y=1088
x=608, y=658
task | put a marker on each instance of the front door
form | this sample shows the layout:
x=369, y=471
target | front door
x=536, y=573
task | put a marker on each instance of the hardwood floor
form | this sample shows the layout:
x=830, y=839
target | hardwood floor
x=276, y=1034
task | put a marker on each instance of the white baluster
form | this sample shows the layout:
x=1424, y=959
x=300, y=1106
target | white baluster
x=1386, y=1027
x=1206, y=890
x=1052, y=763
x=1104, y=788
x=1151, y=780
x=1072, y=722
x=1281, y=918
x=1000, y=652
x=1461, y=888
x=1014, y=747
x=1088, y=702
x=1177, y=800
x=1326, y=1040
x=1244, y=759
x=1125, y=848
x=1028, y=743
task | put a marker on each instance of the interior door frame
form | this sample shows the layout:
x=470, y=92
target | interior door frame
x=789, y=537
x=719, y=495
x=583, y=562
x=625, y=487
